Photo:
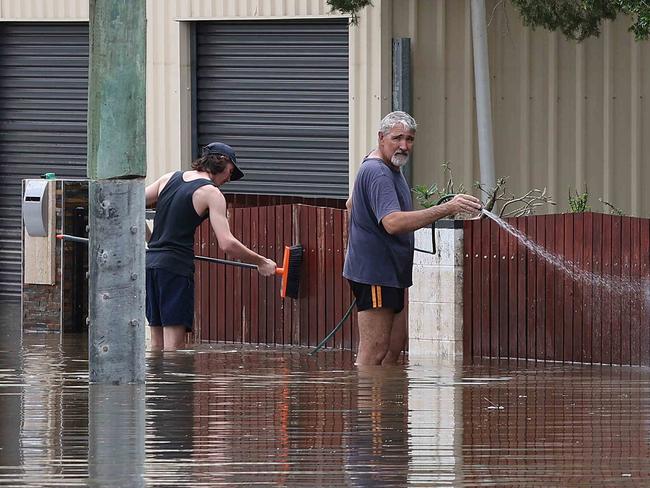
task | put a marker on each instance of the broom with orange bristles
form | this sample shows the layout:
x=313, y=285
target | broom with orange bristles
x=290, y=270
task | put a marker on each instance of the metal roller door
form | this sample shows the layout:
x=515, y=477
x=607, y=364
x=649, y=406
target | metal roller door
x=277, y=91
x=43, y=102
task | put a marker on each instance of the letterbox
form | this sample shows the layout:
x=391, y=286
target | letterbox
x=35, y=203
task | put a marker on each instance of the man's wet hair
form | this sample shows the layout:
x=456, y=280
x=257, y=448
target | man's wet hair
x=397, y=118
x=211, y=163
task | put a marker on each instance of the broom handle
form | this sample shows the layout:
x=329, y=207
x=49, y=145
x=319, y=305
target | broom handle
x=225, y=261
x=84, y=240
x=278, y=271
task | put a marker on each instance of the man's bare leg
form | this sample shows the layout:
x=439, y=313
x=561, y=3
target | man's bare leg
x=174, y=337
x=374, y=335
x=397, y=341
x=157, y=342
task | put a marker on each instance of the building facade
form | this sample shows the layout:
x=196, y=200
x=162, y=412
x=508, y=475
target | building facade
x=299, y=93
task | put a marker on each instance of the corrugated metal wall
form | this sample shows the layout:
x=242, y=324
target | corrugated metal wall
x=43, y=104
x=277, y=91
x=565, y=114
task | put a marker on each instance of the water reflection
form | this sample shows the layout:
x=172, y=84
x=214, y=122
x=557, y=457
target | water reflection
x=116, y=435
x=558, y=425
x=242, y=416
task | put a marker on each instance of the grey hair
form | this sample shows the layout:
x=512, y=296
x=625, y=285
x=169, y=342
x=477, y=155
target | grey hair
x=395, y=118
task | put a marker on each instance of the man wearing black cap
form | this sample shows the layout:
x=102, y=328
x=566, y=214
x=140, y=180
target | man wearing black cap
x=183, y=200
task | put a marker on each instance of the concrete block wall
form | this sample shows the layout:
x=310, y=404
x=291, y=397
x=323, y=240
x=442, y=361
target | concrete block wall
x=436, y=297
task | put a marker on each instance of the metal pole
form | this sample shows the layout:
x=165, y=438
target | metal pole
x=482, y=87
x=402, y=87
x=116, y=167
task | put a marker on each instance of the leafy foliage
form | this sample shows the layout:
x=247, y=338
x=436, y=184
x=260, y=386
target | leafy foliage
x=579, y=19
x=350, y=7
x=428, y=196
x=511, y=205
x=580, y=202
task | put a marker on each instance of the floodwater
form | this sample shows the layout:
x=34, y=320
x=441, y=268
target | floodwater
x=245, y=416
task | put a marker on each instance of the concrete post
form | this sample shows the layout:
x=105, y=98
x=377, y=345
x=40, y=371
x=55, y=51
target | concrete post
x=116, y=166
x=436, y=297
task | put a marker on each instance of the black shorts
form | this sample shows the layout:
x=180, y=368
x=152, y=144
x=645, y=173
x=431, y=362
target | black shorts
x=170, y=298
x=377, y=296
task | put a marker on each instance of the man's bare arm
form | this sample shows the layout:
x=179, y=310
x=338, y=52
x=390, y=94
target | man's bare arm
x=229, y=243
x=401, y=222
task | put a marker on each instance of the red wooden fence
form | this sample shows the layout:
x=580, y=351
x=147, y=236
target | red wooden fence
x=517, y=305
x=239, y=305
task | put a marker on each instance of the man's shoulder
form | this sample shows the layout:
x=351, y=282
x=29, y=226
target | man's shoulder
x=209, y=193
x=373, y=167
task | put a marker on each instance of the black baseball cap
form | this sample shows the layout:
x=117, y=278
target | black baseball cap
x=224, y=150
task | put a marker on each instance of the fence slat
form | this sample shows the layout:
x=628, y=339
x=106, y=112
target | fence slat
x=278, y=304
x=246, y=278
x=262, y=282
x=468, y=279
x=575, y=349
x=512, y=302
x=271, y=290
x=287, y=303
x=607, y=270
x=615, y=320
x=503, y=280
x=486, y=325
x=587, y=289
x=217, y=278
x=540, y=307
x=313, y=336
x=255, y=278
x=237, y=280
x=644, y=274
x=493, y=259
x=597, y=292
x=339, y=289
x=559, y=303
x=626, y=276
x=571, y=300
x=530, y=293
x=328, y=244
x=476, y=300
x=522, y=304
x=636, y=301
x=320, y=253
x=551, y=277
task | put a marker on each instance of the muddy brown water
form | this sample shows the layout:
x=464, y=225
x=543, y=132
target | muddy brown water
x=231, y=415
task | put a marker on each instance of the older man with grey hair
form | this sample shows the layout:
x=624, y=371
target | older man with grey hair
x=379, y=261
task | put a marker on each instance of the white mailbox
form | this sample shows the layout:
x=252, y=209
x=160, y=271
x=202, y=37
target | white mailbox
x=35, y=203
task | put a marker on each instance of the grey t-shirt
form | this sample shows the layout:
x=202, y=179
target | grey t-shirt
x=374, y=256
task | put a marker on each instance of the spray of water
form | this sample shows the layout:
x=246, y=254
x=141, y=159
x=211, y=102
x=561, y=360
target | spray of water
x=617, y=285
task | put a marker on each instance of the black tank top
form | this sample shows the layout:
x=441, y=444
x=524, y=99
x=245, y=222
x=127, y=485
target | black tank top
x=172, y=243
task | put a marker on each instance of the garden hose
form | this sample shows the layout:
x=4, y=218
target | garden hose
x=442, y=199
x=322, y=343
